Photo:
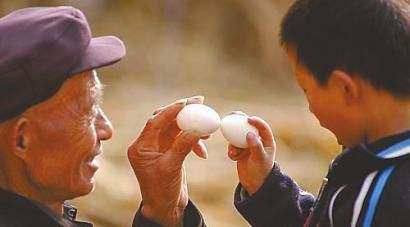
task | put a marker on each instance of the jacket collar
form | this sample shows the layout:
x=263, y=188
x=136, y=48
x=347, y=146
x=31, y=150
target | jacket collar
x=353, y=164
x=25, y=205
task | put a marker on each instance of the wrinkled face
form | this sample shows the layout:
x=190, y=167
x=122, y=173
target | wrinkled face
x=328, y=103
x=67, y=131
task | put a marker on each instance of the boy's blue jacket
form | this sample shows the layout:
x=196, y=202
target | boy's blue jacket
x=363, y=189
x=353, y=196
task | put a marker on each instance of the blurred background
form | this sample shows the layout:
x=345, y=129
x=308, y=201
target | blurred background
x=225, y=50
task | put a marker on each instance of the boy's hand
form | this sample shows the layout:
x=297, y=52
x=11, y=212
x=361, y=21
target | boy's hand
x=255, y=163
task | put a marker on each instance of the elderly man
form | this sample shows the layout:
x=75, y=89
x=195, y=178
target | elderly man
x=52, y=126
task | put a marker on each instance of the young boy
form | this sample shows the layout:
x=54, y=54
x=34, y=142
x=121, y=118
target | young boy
x=352, y=59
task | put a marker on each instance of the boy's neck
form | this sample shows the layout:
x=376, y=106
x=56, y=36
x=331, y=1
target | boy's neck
x=388, y=119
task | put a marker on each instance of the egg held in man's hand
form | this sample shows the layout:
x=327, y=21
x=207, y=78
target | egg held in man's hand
x=235, y=127
x=198, y=119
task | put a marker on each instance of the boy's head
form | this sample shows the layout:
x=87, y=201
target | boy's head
x=348, y=54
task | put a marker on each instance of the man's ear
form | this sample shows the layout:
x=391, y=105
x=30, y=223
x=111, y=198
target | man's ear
x=20, y=139
x=345, y=85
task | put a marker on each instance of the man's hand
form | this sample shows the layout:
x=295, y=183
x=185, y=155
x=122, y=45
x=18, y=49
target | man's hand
x=157, y=157
x=255, y=162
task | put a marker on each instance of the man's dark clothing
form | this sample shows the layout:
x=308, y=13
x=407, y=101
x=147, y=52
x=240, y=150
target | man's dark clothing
x=18, y=211
x=192, y=218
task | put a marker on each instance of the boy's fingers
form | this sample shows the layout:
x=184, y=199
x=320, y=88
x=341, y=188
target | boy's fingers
x=236, y=154
x=255, y=145
x=200, y=150
x=264, y=129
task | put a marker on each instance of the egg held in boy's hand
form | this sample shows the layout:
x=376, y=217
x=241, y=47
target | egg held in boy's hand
x=235, y=127
x=198, y=119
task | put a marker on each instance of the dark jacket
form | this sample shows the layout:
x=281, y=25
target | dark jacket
x=192, y=218
x=18, y=211
x=366, y=186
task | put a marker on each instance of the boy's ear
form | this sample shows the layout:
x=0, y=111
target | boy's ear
x=20, y=138
x=345, y=85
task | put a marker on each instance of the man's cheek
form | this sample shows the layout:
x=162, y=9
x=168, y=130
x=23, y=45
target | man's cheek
x=44, y=173
x=49, y=171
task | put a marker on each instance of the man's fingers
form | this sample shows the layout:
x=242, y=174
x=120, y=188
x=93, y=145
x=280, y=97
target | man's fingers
x=237, y=112
x=162, y=115
x=205, y=137
x=236, y=154
x=264, y=129
x=167, y=136
x=158, y=110
x=172, y=130
x=195, y=100
x=182, y=146
x=166, y=116
x=200, y=150
x=255, y=145
x=191, y=100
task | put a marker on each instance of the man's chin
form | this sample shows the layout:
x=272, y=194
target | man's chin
x=84, y=189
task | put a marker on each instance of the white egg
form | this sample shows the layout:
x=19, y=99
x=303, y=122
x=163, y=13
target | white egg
x=235, y=127
x=198, y=119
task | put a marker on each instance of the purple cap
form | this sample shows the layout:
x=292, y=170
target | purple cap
x=43, y=46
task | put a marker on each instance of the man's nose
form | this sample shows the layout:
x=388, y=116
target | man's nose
x=103, y=126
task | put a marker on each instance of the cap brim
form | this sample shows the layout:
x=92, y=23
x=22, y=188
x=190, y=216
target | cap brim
x=102, y=51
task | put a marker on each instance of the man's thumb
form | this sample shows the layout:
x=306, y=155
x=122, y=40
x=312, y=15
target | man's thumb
x=182, y=146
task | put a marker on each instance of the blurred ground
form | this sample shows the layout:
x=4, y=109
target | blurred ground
x=226, y=50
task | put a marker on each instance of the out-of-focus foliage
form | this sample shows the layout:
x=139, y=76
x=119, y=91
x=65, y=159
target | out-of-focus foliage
x=226, y=50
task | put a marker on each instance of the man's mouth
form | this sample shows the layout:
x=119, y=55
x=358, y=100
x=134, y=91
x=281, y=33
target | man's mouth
x=93, y=156
x=92, y=161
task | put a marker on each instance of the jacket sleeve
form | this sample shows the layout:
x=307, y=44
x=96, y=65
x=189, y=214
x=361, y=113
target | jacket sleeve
x=279, y=202
x=192, y=218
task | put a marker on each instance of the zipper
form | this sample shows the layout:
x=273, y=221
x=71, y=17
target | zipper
x=315, y=216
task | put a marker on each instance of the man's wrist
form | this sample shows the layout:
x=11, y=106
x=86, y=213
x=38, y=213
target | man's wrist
x=165, y=217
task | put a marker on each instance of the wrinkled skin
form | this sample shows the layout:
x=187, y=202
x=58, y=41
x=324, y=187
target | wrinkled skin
x=49, y=150
x=157, y=157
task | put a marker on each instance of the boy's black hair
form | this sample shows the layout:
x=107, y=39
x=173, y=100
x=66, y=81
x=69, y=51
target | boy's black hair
x=370, y=38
